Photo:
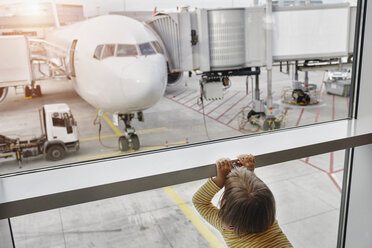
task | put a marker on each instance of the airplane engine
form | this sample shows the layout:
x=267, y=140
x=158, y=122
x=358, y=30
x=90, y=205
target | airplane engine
x=175, y=79
x=3, y=93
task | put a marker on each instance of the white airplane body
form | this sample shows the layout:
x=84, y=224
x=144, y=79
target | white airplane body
x=116, y=64
x=127, y=74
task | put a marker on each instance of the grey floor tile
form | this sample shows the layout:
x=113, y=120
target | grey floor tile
x=317, y=231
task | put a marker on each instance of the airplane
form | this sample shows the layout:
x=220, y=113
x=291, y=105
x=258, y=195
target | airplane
x=117, y=64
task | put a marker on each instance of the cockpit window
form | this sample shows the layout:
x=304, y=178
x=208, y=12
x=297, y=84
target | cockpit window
x=146, y=49
x=108, y=51
x=98, y=52
x=126, y=50
x=157, y=47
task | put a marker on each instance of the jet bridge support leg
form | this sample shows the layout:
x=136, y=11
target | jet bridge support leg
x=130, y=139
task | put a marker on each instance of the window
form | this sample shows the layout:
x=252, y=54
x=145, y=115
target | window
x=98, y=52
x=180, y=118
x=108, y=51
x=146, y=49
x=58, y=120
x=126, y=50
x=157, y=47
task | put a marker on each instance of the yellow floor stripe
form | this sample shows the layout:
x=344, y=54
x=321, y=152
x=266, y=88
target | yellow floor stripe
x=202, y=228
x=143, y=131
x=113, y=127
x=84, y=116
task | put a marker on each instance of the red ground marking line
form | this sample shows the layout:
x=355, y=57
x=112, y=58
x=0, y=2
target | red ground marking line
x=316, y=167
x=333, y=108
x=242, y=110
x=331, y=161
x=337, y=171
x=196, y=97
x=222, y=103
x=208, y=116
x=185, y=96
x=299, y=118
x=238, y=113
x=335, y=183
x=307, y=160
x=174, y=96
x=232, y=106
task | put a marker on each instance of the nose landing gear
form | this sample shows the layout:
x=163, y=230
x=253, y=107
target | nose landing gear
x=130, y=139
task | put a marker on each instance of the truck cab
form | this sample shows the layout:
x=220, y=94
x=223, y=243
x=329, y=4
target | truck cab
x=60, y=130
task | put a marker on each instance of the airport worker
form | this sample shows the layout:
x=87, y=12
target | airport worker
x=246, y=217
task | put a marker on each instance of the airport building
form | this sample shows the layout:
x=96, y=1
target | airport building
x=111, y=120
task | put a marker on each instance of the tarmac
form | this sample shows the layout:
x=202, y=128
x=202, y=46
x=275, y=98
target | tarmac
x=307, y=191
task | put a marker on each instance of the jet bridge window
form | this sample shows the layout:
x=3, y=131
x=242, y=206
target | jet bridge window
x=108, y=51
x=126, y=50
x=146, y=49
x=98, y=52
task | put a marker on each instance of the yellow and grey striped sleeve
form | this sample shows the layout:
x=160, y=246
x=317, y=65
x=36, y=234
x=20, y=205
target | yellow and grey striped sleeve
x=202, y=202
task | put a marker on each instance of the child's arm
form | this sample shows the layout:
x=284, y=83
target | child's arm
x=203, y=197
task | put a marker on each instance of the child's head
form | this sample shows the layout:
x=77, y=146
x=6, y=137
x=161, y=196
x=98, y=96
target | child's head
x=247, y=203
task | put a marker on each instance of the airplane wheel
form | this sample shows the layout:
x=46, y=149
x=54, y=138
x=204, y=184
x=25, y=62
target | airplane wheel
x=135, y=142
x=271, y=123
x=28, y=91
x=123, y=144
x=38, y=90
x=55, y=153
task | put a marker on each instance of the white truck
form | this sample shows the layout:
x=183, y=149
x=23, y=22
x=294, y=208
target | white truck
x=59, y=135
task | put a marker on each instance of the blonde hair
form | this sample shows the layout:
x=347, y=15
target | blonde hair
x=247, y=203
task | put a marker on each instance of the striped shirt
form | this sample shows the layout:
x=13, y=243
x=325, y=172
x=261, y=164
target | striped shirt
x=273, y=237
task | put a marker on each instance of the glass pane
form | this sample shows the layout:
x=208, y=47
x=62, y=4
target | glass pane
x=97, y=53
x=157, y=47
x=307, y=194
x=108, y=51
x=160, y=103
x=126, y=50
x=146, y=49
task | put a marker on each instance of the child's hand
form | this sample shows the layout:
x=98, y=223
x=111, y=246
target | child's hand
x=247, y=161
x=224, y=166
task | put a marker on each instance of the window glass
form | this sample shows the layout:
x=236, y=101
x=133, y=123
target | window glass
x=108, y=51
x=97, y=52
x=126, y=50
x=146, y=49
x=58, y=120
x=157, y=47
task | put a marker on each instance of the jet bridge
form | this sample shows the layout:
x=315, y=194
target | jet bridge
x=220, y=39
x=221, y=43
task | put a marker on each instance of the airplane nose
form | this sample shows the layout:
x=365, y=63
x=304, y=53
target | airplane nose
x=144, y=81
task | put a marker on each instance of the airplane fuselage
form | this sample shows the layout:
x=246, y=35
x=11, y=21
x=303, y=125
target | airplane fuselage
x=116, y=64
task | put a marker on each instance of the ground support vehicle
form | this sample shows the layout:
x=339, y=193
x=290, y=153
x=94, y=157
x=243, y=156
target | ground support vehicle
x=59, y=135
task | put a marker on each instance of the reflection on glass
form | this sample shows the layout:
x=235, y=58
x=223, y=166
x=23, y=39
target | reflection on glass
x=126, y=50
x=108, y=51
x=146, y=49
x=98, y=52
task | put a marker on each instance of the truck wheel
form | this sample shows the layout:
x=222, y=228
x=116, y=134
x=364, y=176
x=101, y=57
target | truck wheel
x=55, y=153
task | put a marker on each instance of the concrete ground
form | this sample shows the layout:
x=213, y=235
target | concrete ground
x=307, y=191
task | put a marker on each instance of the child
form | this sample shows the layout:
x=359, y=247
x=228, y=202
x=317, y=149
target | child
x=247, y=214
